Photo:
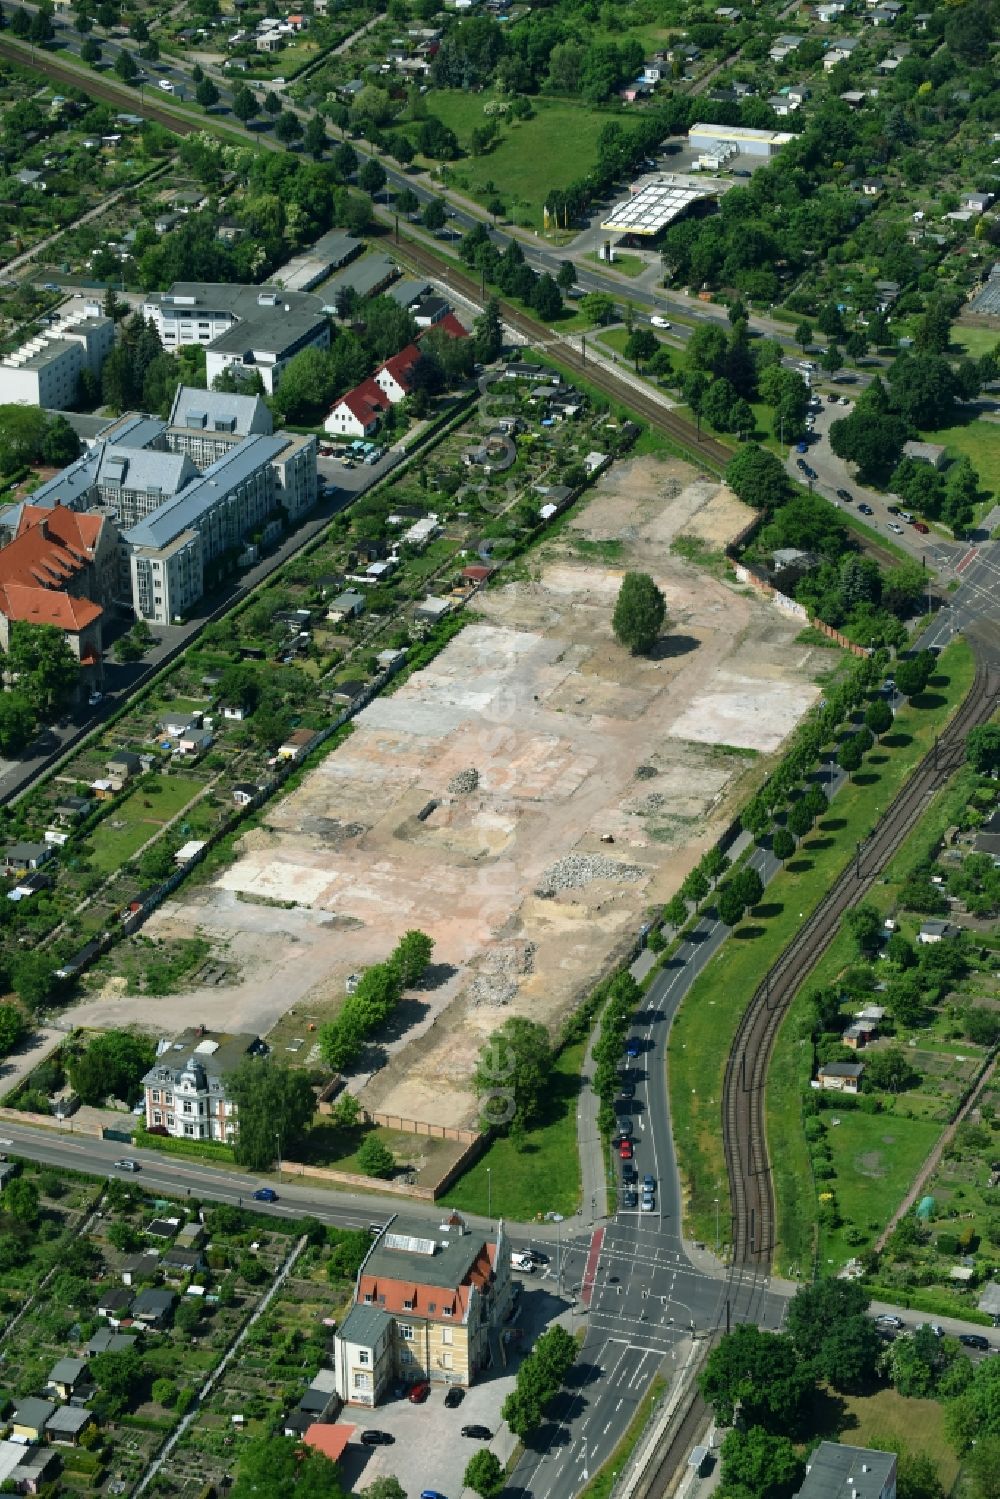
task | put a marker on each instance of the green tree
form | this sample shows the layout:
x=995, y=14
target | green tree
x=272, y=104
x=388, y=1487
x=244, y=104
x=800, y=818
x=864, y=926
x=782, y=844
x=641, y=346
x=165, y=1392
x=434, y=216
x=546, y=298
x=850, y=755
x=640, y=613
x=889, y=1071
x=878, y=717
x=33, y=977
x=729, y=904
x=288, y=128
x=372, y=177
x=126, y=66
x=274, y=1108
x=911, y=677
x=119, y=1378
x=20, y=1199
x=39, y=657
x=485, y=1474
x=804, y=334
x=982, y=1465
x=315, y=138
x=598, y=308
x=675, y=912
x=695, y=885
x=278, y=1468
x=916, y=1364
x=758, y=478
x=17, y=722
x=406, y=201
x=756, y=1463
x=375, y=1159
x=566, y=275
x=763, y=1373
x=487, y=333
x=512, y=1075
x=411, y=956
x=111, y=1065
x=982, y=749
x=12, y=1028
x=207, y=94
x=749, y=885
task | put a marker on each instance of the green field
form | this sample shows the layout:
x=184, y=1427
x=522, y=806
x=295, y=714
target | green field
x=553, y=149
x=974, y=341
x=625, y=265
x=913, y=1425
x=137, y=819
x=542, y=1177
x=702, y=1033
x=978, y=441
x=876, y=1157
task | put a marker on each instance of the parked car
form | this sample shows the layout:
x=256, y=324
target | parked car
x=95, y=698
x=922, y=527
x=265, y=1194
x=889, y=1319
x=801, y=447
x=866, y=509
x=625, y=1150
x=659, y=322
x=626, y=1129
x=846, y=496
x=373, y=1438
x=896, y=528
x=626, y=1090
x=127, y=1165
x=521, y=1260
x=629, y=1174
x=419, y=1392
x=633, y=1046
x=892, y=509
x=455, y=1394
x=905, y=515
x=649, y=1183
x=974, y=1340
x=648, y=1204
x=481, y=1433
x=630, y=1197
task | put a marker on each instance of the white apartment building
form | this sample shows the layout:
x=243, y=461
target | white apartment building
x=46, y=370
x=251, y=328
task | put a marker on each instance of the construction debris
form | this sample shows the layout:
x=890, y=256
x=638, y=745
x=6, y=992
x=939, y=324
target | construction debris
x=464, y=782
x=577, y=870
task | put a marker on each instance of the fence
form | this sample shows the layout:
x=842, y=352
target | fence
x=421, y=1127
x=746, y=574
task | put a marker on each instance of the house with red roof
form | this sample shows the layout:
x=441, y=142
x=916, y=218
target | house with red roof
x=60, y=569
x=429, y=1305
x=357, y=413
x=396, y=376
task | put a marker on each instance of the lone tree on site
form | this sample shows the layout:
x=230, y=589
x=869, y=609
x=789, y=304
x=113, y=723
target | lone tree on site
x=640, y=613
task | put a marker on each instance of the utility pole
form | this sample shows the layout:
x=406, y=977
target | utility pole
x=583, y=347
x=396, y=216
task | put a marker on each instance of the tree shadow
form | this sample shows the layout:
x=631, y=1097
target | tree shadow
x=408, y=1012
x=866, y=778
x=877, y=759
x=927, y=700
x=896, y=741
x=832, y=824
x=799, y=866
x=669, y=646
x=435, y=975
x=829, y=1416
x=747, y=933
x=767, y=909
x=815, y=843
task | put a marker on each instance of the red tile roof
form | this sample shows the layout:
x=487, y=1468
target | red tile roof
x=450, y=1303
x=331, y=1440
x=401, y=366
x=448, y=324
x=365, y=401
x=51, y=547
x=47, y=606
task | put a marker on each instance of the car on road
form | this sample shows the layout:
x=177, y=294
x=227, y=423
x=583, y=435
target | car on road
x=889, y=1319
x=922, y=527
x=845, y=401
x=265, y=1194
x=626, y=1128
x=521, y=1260
x=625, y=1150
x=125, y=1164
x=373, y=1438
x=538, y=1258
x=648, y=1204
x=630, y=1197
x=893, y=509
x=741, y=172
x=832, y=398
x=894, y=527
x=626, y=1090
x=905, y=515
x=801, y=464
x=480, y=1433
x=432, y=1494
x=846, y=496
x=419, y=1392
x=633, y=1046
x=629, y=1174
x=974, y=1340
x=659, y=322
x=934, y=1327
x=455, y=1395
x=649, y=1183
x=94, y=698
x=865, y=509
x=810, y=473
x=801, y=447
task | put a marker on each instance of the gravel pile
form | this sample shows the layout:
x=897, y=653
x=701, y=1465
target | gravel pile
x=496, y=982
x=651, y=803
x=577, y=870
x=646, y=773
x=464, y=782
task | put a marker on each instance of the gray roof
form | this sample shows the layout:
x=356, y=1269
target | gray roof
x=408, y=291
x=835, y=1470
x=842, y=1069
x=125, y=757
x=364, y=276
x=453, y=1256
x=207, y=1057
x=986, y=300
x=67, y=1370
x=68, y=1420
x=153, y=1302
x=106, y=1340
x=364, y=1325
x=71, y=487
x=33, y=1411
x=185, y=510
x=144, y=469
x=989, y=1301
x=336, y=247
x=268, y=319
x=216, y=411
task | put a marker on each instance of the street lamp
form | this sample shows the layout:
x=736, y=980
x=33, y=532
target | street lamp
x=277, y=1138
x=489, y=1194
x=716, y=1225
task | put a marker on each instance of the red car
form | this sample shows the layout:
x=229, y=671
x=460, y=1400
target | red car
x=625, y=1150
x=919, y=525
x=419, y=1392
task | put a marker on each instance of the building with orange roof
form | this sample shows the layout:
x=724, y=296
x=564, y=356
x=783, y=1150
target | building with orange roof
x=331, y=1439
x=60, y=569
x=428, y=1305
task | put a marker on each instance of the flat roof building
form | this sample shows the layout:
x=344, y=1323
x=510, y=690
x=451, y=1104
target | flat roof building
x=838, y=1471
x=743, y=138
x=656, y=202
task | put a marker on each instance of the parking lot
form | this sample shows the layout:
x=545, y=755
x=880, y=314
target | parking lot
x=429, y=1451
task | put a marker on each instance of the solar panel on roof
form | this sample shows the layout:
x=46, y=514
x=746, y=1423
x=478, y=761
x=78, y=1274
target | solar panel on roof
x=410, y=1243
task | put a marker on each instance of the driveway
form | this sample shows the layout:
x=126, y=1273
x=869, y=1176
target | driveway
x=429, y=1451
x=33, y=1050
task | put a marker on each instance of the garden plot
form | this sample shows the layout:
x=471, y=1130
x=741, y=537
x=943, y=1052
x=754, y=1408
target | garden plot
x=596, y=787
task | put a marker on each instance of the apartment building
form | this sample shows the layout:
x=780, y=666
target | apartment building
x=185, y=1089
x=427, y=1306
x=251, y=328
x=46, y=370
x=59, y=569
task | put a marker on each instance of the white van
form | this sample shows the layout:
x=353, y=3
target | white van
x=522, y=1262
x=166, y=85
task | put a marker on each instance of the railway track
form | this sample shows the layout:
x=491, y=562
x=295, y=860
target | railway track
x=706, y=450
x=744, y=1088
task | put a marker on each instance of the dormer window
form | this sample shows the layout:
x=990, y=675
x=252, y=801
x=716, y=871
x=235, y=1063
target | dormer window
x=408, y=1304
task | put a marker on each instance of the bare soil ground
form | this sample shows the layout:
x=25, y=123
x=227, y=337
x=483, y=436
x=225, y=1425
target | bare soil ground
x=572, y=741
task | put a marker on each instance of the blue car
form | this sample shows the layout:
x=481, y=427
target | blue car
x=265, y=1194
x=801, y=447
x=632, y=1047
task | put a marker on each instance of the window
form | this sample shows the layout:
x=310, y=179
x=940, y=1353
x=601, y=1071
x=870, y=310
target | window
x=187, y=1108
x=168, y=1098
x=362, y=1381
x=364, y=1357
x=405, y=1356
x=446, y=1311
x=189, y=1129
x=446, y=1361
x=406, y=1332
x=369, y=1298
x=170, y=1118
x=408, y=1305
x=157, y=1117
x=156, y=1095
x=447, y=1335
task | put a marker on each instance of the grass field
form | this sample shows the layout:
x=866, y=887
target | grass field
x=625, y=265
x=979, y=442
x=138, y=818
x=876, y=1157
x=914, y=1425
x=543, y=1177
x=974, y=341
x=551, y=150
x=702, y=1033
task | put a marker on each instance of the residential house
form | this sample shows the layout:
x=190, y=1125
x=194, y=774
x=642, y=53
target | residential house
x=153, y=1307
x=138, y=1267
x=933, y=932
x=728, y=13
x=178, y=1264
x=859, y=1033
x=330, y=1438
x=106, y=1340
x=22, y=856
x=68, y=1376
x=243, y=793
x=873, y=187
x=176, y=724
x=988, y=837
x=185, y=1089
x=347, y=605
x=831, y=10
x=358, y=411
x=37, y=1469
x=29, y=1418
x=840, y=51
x=836, y=1470
x=887, y=14
x=841, y=1077
x=922, y=20
x=320, y=1398
x=195, y=742
x=297, y=745
x=122, y=766
x=933, y=453
x=114, y=1304
x=783, y=46
x=68, y=1424
x=977, y=202
x=71, y=808
x=431, y=609
x=432, y=1307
